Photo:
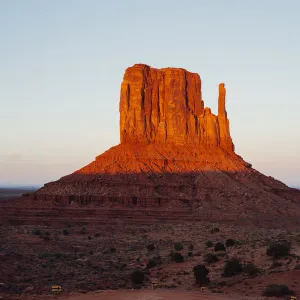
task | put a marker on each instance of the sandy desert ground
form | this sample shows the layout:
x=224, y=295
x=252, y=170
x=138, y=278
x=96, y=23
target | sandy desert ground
x=89, y=258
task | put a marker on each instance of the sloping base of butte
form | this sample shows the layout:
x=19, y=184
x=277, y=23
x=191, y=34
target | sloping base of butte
x=176, y=159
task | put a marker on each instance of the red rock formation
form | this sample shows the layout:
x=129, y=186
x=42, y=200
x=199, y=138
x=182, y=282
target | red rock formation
x=225, y=139
x=175, y=158
x=165, y=106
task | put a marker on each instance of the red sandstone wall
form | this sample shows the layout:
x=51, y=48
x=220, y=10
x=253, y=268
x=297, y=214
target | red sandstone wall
x=166, y=106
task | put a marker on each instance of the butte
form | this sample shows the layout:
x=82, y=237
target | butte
x=175, y=161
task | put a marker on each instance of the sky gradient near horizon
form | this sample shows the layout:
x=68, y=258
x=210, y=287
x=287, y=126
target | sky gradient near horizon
x=62, y=63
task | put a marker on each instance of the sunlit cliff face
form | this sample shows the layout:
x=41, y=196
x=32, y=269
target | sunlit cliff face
x=165, y=106
x=165, y=128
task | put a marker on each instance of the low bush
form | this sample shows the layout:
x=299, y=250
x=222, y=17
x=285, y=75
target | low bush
x=191, y=247
x=178, y=246
x=153, y=262
x=232, y=267
x=276, y=264
x=229, y=242
x=58, y=255
x=201, y=274
x=43, y=255
x=150, y=247
x=177, y=257
x=137, y=277
x=210, y=258
x=65, y=232
x=83, y=231
x=276, y=290
x=209, y=244
x=251, y=270
x=221, y=254
x=219, y=247
x=279, y=249
x=215, y=229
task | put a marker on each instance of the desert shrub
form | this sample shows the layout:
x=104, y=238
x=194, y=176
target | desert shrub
x=153, y=262
x=177, y=257
x=112, y=249
x=219, y=247
x=215, y=229
x=251, y=270
x=150, y=247
x=209, y=244
x=178, y=246
x=97, y=234
x=65, y=232
x=122, y=266
x=58, y=255
x=201, y=274
x=297, y=267
x=232, y=267
x=83, y=230
x=276, y=264
x=47, y=233
x=210, y=258
x=191, y=247
x=89, y=237
x=279, y=249
x=221, y=283
x=190, y=253
x=221, y=254
x=230, y=242
x=275, y=290
x=46, y=238
x=137, y=277
x=43, y=255
x=36, y=232
x=69, y=225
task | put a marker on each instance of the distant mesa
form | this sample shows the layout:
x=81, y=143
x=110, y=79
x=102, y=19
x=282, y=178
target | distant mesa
x=176, y=160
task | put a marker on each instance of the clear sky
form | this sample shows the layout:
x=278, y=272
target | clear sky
x=62, y=62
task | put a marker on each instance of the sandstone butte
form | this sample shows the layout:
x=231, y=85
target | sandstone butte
x=175, y=160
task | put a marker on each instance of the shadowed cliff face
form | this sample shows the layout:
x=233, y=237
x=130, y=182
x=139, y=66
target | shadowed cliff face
x=165, y=106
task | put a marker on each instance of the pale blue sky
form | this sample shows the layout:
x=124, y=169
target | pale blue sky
x=62, y=62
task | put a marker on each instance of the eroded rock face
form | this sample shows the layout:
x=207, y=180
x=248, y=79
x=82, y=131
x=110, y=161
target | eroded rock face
x=175, y=162
x=165, y=106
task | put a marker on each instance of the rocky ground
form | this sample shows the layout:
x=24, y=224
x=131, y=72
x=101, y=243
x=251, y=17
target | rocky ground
x=92, y=257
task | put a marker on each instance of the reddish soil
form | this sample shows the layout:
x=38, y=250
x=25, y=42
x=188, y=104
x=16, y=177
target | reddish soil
x=92, y=258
